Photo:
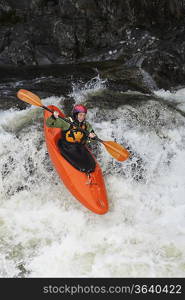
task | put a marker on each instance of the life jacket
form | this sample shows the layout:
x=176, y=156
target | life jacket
x=73, y=134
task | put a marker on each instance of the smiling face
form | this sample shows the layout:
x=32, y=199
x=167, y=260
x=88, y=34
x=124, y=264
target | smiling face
x=81, y=116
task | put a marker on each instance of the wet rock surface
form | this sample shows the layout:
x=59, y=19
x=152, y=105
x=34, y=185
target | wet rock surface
x=45, y=81
x=145, y=40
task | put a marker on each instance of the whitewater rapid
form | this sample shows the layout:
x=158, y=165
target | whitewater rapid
x=45, y=232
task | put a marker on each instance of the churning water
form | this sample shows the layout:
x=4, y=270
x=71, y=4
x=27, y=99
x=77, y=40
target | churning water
x=45, y=232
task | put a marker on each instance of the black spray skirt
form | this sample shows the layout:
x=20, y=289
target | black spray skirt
x=77, y=155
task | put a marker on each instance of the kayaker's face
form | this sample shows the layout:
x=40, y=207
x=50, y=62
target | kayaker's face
x=81, y=116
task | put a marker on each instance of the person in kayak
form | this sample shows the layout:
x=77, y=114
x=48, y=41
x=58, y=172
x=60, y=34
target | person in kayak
x=73, y=140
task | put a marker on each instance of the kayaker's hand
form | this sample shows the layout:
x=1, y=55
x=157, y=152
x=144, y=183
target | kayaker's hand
x=74, y=124
x=92, y=135
x=56, y=114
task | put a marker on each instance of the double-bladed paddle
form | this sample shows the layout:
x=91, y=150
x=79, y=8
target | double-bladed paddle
x=114, y=149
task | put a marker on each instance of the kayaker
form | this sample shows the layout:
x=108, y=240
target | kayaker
x=71, y=132
x=73, y=140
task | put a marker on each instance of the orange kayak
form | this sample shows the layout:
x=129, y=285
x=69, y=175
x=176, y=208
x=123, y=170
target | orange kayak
x=89, y=188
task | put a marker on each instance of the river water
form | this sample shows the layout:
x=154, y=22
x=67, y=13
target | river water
x=46, y=232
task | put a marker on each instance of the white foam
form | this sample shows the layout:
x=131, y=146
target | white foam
x=45, y=232
x=80, y=92
x=176, y=97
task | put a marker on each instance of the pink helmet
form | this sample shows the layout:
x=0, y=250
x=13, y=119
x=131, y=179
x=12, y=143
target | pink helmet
x=79, y=108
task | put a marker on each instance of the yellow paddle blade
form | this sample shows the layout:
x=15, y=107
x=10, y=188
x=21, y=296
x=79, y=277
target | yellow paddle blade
x=29, y=97
x=116, y=150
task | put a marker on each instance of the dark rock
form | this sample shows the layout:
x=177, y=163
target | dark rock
x=44, y=81
x=107, y=99
x=5, y=9
x=128, y=78
x=21, y=4
x=149, y=35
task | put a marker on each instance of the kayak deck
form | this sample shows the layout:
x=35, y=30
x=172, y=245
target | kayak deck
x=89, y=188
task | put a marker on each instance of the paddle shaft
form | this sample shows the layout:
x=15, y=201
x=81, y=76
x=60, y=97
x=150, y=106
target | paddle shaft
x=71, y=123
x=106, y=144
x=116, y=150
x=82, y=130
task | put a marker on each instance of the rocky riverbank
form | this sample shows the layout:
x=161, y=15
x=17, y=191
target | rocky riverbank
x=134, y=44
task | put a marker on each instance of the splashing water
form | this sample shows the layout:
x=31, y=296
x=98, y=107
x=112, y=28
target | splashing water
x=44, y=231
x=177, y=97
x=81, y=91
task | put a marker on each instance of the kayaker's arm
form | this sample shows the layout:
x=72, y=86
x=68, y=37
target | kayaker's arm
x=57, y=123
x=89, y=127
x=90, y=130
